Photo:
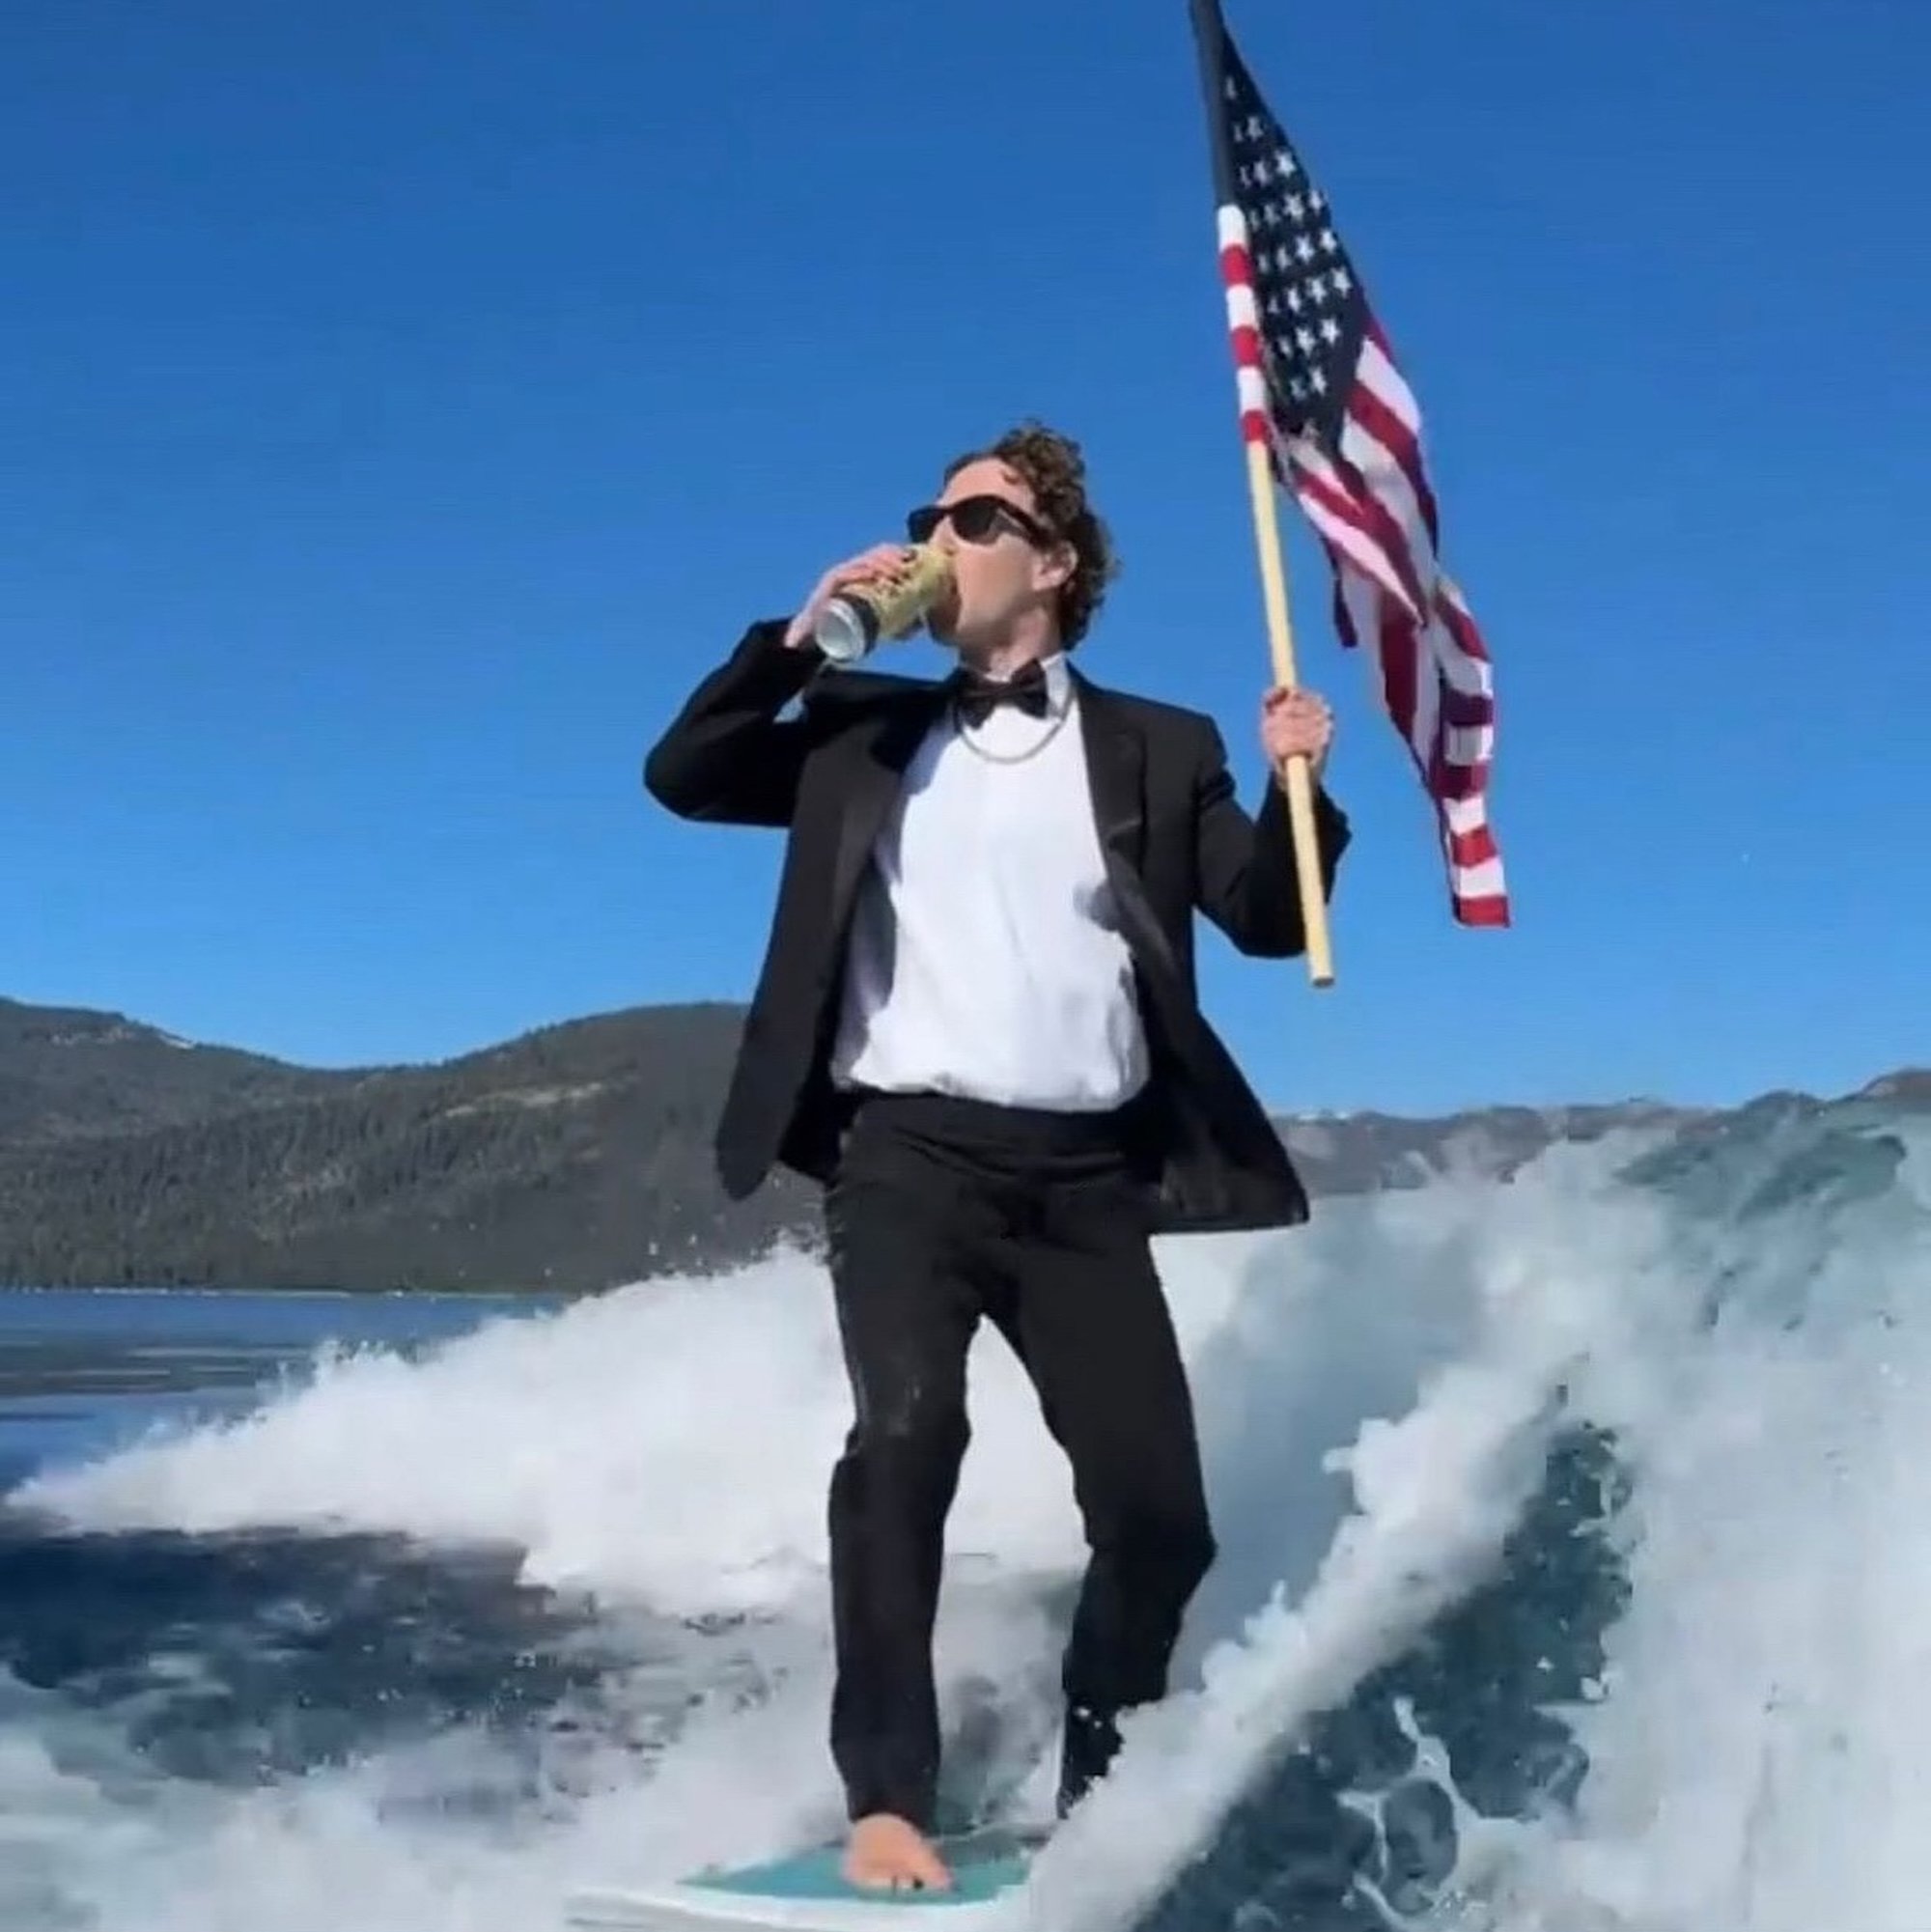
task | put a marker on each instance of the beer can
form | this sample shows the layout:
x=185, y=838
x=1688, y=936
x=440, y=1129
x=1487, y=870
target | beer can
x=864, y=615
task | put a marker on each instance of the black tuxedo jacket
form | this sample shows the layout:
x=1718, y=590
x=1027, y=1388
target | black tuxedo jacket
x=1174, y=840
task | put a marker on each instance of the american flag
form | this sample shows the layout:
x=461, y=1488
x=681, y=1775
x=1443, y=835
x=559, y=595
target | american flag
x=1318, y=384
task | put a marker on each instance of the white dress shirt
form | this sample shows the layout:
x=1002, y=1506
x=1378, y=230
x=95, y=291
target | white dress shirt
x=986, y=956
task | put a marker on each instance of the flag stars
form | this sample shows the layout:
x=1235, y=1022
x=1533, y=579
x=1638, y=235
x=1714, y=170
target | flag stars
x=1304, y=296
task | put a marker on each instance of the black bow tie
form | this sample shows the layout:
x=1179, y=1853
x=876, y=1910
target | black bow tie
x=977, y=697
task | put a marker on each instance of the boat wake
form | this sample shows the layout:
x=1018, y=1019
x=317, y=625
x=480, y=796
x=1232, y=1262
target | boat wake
x=1572, y=1532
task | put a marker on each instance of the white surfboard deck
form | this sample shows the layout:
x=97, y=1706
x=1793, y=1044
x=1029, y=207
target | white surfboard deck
x=803, y=1893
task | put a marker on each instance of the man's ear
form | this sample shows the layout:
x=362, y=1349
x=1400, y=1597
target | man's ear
x=1059, y=565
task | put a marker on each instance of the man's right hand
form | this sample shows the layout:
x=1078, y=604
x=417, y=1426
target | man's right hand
x=881, y=560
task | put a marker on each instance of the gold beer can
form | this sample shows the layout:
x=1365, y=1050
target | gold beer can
x=864, y=615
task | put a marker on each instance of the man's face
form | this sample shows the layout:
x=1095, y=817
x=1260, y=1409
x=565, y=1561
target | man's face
x=1005, y=564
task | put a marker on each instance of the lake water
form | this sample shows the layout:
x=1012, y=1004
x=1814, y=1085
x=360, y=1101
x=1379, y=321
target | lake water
x=83, y=1371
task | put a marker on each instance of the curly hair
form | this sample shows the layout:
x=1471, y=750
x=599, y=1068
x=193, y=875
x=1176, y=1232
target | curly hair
x=1054, y=468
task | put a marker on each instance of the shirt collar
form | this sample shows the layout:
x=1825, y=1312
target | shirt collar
x=1059, y=675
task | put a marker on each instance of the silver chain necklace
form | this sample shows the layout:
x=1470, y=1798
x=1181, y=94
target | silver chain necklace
x=1039, y=745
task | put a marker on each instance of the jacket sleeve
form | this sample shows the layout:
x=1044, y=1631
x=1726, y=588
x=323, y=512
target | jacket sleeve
x=1245, y=866
x=728, y=757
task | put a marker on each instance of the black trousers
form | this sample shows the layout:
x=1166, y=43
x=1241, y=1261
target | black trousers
x=942, y=1212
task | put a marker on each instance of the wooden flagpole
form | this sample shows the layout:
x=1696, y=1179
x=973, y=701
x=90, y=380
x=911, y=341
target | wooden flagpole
x=1299, y=773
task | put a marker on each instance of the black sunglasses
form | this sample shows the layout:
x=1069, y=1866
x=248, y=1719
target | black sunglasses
x=976, y=520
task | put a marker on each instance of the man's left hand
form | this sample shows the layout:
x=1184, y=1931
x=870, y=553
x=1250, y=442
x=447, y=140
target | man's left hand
x=1296, y=723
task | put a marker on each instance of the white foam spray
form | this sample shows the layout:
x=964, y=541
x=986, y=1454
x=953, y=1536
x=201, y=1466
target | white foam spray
x=1758, y=1753
x=1375, y=1392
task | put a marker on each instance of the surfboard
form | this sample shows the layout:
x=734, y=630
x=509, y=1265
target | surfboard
x=803, y=1893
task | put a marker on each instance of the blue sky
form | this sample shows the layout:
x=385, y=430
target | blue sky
x=405, y=406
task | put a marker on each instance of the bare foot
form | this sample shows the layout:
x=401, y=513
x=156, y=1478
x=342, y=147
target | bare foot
x=888, y=1852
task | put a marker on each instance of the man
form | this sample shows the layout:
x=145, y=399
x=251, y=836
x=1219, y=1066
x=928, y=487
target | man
x=977, y=1026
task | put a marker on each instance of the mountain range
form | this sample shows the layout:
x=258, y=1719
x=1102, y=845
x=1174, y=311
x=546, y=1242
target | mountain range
x=572, y=1158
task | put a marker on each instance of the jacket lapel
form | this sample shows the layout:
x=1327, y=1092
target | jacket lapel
x=880, y=755
x=1116, y=773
